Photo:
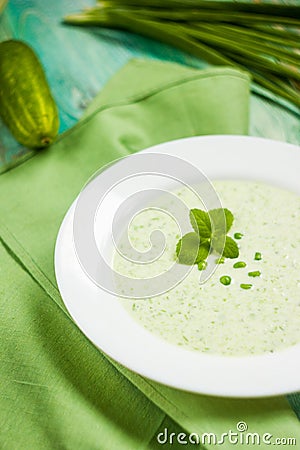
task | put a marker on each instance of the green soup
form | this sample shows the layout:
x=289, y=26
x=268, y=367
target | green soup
x=259, y=311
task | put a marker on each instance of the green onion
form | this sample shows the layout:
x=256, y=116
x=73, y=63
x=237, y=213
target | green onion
x=246, y=286
x=247, y=50
x=261, y=8
x=257, y=256
x=280, y=37
x=250, y=43
x=211, y=16
x=285, y=34
x=255, y=273
x=239, y=265
x=236, y=34
x=238, y=235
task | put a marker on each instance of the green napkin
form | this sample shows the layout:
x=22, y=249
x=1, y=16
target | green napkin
x=57, y=391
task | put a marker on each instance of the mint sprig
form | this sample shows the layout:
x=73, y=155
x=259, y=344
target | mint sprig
x=190, y=250
x=203, y=251
x=231, y=249
x=201, y=223
x=187, y=248
x=221, y=219
x=210, y=235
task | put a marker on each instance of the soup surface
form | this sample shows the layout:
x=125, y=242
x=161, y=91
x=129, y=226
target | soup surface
x=227, y=319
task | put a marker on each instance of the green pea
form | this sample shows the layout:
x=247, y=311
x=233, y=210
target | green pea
x=225, y=279
x=239, y=265
x=246, y=286
x=238, y=235
x=256, y=273
x=258, y=256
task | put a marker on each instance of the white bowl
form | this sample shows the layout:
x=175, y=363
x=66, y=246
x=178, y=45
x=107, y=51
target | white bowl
x=106, y=323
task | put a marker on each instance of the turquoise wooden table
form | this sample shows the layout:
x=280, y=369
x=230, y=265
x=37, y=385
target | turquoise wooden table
x=78, y=62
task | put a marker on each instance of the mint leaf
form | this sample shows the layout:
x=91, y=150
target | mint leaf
x=218, y=243
x=229, y=219
x=221, y=220
x=187, y=248
x=200, y=221
x=203, y=251
x=231, y=249
x=210, y=233
x=202, y=265
x=218, y=221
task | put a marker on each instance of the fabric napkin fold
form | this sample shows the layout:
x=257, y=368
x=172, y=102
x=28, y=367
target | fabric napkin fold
x=57, y=390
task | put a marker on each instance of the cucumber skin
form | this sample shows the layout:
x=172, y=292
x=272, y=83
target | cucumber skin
x=26, y=103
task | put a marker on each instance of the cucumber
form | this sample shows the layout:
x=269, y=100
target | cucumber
x=26, y=104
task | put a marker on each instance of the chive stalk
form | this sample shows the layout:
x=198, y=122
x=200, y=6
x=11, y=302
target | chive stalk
x=248, y=42
x=254, y=8
x=236, y=34
x=278, y=37
x=258, y=61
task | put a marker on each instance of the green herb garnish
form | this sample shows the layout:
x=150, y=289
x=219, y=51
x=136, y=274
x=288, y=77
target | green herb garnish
x=226, y=280
x=238, y=235
x=210, y=235
x=255, y=273
x=187, y=248
x=239, y=265
x=203, y=251
x=231, y=249
x=246, y=286
x=217, y=217
x=258, y=256
x=200, y=221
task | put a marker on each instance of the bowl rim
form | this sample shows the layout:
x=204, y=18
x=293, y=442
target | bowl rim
x=113, y=331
